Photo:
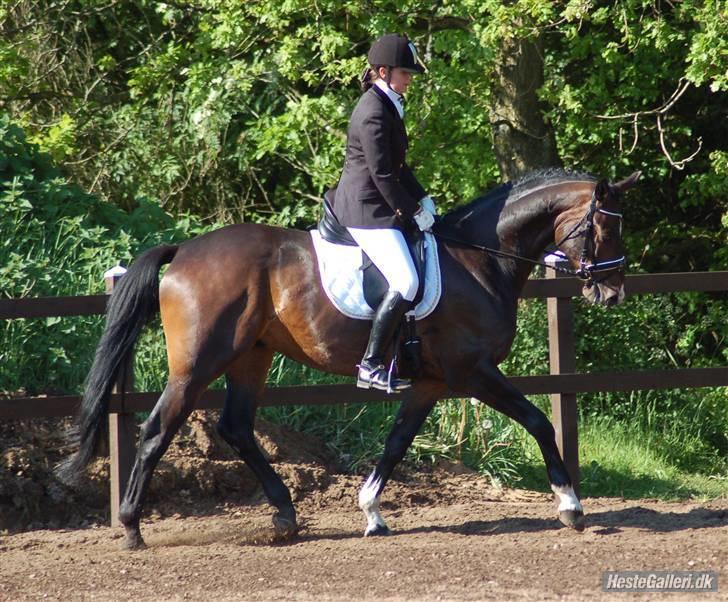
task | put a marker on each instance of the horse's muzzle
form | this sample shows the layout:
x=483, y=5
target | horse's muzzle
x=603, y=294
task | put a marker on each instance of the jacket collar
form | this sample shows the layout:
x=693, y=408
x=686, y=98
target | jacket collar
x=397, y=100
x=388, y=102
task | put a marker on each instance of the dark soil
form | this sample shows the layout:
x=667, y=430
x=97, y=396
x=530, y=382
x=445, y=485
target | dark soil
x=456, y=537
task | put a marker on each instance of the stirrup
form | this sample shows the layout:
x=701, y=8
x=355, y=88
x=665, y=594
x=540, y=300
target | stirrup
x=379, y=377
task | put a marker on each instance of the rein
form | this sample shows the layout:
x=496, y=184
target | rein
x=491, y=251
x=586, y=269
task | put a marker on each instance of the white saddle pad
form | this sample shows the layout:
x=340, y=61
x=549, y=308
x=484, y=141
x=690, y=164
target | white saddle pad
x=342, y=278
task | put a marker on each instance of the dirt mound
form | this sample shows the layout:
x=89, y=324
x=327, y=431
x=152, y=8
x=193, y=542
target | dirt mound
x=199, y=469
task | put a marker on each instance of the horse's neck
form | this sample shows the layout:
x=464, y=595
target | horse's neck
x=526, y=227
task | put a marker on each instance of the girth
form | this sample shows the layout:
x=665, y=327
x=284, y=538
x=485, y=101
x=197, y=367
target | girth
x=375, y=284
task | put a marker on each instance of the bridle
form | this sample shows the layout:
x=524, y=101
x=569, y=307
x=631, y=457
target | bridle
x=587, y=268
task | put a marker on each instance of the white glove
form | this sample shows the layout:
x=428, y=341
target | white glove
x=424, y=219
x=428, y=203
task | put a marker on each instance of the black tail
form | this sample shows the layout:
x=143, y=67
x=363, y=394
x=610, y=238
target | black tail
x=134, y=301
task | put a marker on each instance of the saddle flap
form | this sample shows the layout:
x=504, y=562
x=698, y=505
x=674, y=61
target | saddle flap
x=342, y=278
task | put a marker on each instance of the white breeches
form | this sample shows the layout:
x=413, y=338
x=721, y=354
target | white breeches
x=388, y=251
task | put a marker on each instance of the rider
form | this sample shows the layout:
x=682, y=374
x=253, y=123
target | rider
x=378, y=195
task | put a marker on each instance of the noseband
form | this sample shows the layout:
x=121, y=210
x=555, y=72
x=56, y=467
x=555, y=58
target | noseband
x=587, y=267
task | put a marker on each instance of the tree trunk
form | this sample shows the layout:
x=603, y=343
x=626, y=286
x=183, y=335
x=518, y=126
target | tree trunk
x=522, y=139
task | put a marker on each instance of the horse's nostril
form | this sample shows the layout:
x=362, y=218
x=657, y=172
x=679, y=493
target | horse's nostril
x=610, y=297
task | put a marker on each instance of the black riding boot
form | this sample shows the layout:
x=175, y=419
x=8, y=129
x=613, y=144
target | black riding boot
x=372, y=371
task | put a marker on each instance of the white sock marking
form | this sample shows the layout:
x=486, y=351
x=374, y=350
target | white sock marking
x=567, y=498
x=369, y=503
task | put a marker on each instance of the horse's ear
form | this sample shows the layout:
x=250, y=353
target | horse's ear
x=602, y=190
x=629, y=182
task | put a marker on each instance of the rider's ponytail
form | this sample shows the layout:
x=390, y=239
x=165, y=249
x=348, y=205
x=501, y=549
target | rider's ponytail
x=368, y=77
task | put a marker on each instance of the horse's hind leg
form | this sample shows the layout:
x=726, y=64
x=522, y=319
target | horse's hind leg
x=411, y=415
x=157, y=432
x=245, y=381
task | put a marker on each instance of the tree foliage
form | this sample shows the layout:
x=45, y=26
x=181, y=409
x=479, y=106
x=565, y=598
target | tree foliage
x=59, y=240
x=239, y=109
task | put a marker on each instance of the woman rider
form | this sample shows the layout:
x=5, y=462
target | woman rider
x=378, y=195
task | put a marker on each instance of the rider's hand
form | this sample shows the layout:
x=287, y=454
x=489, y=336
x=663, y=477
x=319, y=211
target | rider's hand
x=424, y=219
x=428, y=203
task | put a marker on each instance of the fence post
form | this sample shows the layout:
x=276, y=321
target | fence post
x=562, y=360
x=122, y=427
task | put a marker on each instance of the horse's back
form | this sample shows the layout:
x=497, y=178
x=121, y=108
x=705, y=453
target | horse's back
x=234, y=252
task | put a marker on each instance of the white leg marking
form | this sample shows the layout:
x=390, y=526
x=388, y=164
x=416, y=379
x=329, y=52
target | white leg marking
x=567, y=498
x=621, y=296
x=369, y=503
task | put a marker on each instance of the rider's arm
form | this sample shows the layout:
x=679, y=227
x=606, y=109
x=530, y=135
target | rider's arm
x=409, y=181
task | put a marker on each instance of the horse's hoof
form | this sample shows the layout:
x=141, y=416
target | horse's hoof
x=284, y=527
x=377, y=530
x=133, y=541
x=573, y=518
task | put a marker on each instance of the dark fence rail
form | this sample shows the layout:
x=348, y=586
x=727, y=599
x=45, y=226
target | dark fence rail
x=629, y=380
x=563, y=383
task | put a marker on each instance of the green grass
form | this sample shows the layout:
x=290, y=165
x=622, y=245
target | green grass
x=623, y=459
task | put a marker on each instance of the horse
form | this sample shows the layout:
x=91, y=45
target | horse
x=232, y=297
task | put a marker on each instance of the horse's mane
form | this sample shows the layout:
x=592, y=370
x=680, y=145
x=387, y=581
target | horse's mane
x=512, y=191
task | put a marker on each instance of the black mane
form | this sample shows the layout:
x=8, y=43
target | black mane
x=512, y=191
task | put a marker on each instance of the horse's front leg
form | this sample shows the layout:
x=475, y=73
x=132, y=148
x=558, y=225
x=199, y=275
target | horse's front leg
x=411, y=415
x=488, y=384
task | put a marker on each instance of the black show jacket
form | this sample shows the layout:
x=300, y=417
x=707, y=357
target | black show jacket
x=377, y=188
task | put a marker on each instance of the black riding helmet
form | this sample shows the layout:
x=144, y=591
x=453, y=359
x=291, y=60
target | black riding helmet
x=393, y=50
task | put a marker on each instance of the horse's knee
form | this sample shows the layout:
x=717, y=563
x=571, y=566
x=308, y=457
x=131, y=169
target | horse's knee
x=545, y=430
x=539, y=426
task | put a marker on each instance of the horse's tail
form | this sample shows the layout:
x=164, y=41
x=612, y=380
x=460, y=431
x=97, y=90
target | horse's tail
x=134, y=301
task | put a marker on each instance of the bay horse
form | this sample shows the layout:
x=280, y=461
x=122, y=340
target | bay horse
x=232, y=297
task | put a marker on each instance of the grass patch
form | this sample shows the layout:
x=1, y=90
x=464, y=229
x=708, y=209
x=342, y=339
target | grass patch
x=622, y=459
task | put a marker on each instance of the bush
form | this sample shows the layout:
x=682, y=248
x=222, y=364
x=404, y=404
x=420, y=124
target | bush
x=59, y=240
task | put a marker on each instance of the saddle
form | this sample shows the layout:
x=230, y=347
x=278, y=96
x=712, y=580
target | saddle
x=375, y=284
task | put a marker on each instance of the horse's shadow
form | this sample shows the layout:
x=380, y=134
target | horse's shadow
x=608, y=522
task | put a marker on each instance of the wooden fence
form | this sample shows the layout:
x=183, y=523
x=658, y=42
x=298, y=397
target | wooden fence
x=563, y=383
